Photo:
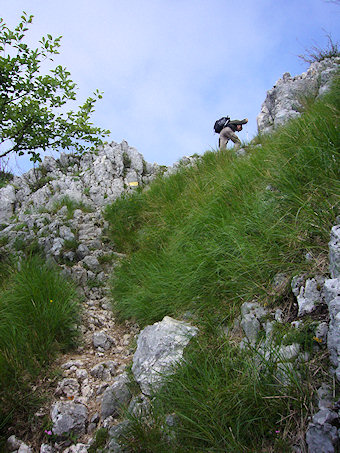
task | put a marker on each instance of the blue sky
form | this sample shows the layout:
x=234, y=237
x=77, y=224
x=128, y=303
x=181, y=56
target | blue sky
x=170, y=68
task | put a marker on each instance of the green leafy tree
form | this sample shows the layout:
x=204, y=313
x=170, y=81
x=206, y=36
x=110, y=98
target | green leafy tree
x=32, y=116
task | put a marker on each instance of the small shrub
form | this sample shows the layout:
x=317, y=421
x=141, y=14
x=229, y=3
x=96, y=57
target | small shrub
x=93, y=283
x=318, y=54
x=27, y=246
x=106, y=259
x=126, y=160
x=102, y=436
x=145, y=168
x=303, y=335
x=124, y=217
x=70, y=245
x=5, y=178
x=71, y=205
x=41, y=182
x=4, y=241
x=20, y=226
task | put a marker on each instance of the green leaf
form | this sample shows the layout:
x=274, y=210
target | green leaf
x=31, y=115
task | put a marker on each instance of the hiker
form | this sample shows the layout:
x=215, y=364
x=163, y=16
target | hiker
x=228, y=133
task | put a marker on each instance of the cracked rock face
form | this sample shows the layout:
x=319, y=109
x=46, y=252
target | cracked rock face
x=283, y=101
x=159, y=348
x=334, y=252
x=310, y=295
x=92, y=178
x=115, y=396
x=68, y=416
x=321, y=435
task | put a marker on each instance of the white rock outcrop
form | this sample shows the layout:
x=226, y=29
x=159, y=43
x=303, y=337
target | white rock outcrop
x=160, y=348
x=95, y=178
x=283, y=101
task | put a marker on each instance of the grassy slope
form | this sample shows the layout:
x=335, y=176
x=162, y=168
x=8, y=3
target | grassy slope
x=207, y=239
x=214, y=235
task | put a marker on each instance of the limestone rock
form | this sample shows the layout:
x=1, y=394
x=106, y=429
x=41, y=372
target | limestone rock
x=324, y=393
x=289, y=352
x=251, y=315
x=93, y=178
x=7, y=202
x=78, y=448
x=140, y=406
x=25, y=449
x=331, y=289
x=296, y=284
x=321, y=331
x=66, y=233
x=114, y=433
x=283, y=100
x=115, y=396
x=104, y=370
x=159, y=349
x=13, y=443
x=67, y=387
x=67, y=417
x=310, y=295
x=333, y=338
x=251, y=327
x=92, y=263
x=102, y=340
x=253, y=308
x=46, y=448
x=334, y=252
x=321, y=435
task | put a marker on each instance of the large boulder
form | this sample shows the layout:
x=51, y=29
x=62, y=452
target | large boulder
x=159, y=349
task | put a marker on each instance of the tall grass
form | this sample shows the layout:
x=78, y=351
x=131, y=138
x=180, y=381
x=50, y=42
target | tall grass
x=215, y=235
x=224, y=400
x=208, y=239
x=39, y=315
x=125, y=217
x=71, y=205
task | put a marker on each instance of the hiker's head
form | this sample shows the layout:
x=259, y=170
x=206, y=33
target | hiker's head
x=239, y=127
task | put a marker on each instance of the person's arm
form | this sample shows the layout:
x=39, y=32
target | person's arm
x=236, y=122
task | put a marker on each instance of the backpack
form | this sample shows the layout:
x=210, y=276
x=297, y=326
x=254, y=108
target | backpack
x=221, y=123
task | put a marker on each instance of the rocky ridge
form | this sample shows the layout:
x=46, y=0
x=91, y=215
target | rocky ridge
x=285, y=100
x=92, y=178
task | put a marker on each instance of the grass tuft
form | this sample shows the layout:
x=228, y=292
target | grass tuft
x=39, y=317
